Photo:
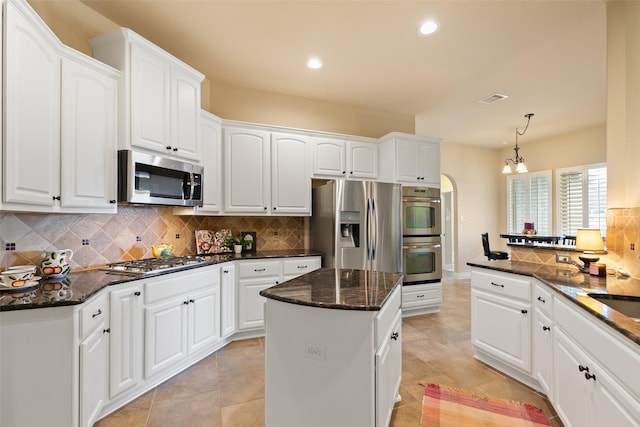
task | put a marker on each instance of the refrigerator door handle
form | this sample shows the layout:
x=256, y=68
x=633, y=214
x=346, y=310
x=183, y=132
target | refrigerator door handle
x=374, y=237
x=369, y=224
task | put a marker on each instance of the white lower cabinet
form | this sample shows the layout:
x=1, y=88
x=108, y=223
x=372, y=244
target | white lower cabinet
x=254, y=276
x=126, y=353
x=543, y=350
x=586, y=391
x=227, y=299
x=182, y=315
x=389, y=371
x=421, y=299
x=94, y=359
x=586, y=368
x=501, y=318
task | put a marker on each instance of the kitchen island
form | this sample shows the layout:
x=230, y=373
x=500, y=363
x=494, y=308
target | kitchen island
x=333, y=349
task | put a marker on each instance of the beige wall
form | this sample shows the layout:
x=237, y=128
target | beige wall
x=472, y=173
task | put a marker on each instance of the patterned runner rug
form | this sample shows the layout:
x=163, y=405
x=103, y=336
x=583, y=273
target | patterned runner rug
x=448, y=407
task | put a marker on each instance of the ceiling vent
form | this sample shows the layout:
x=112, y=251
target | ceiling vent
x=493, y=98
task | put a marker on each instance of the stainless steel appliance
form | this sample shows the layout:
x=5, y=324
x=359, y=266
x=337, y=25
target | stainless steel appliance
x=149, y=179
x=421, y=260
x=421, y=227
x=154, y=265
x=421, y=211
x=357, y=225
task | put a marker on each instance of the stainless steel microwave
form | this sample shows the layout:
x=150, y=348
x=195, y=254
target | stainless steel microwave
x=149, y=179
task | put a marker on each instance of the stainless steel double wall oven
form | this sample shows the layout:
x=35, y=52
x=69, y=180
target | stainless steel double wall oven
x=421, y=228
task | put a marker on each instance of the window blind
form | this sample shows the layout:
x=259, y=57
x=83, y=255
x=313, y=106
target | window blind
x=529, y=200
x=582, y=198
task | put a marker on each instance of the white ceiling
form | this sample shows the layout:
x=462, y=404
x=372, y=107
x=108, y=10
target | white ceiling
x=549, y=57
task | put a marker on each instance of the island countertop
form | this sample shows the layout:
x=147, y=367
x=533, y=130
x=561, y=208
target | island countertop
x=337, y=288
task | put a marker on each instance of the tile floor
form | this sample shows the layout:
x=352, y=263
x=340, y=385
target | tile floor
x=227, y=388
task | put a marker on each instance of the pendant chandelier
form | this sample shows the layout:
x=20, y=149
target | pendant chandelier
x=517, y=160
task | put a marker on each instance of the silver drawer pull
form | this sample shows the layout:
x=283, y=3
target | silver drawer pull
x=303, y=266
x=541, y=300
x=497, y=284
x=420, y=296
x=96, y=314
x=259, y=269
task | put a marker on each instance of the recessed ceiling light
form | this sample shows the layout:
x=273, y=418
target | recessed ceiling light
x=314, y=63
x=428, y=27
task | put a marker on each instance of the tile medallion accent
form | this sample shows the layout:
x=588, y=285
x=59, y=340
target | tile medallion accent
x=129, y=234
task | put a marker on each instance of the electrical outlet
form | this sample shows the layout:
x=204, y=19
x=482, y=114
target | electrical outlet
x=314, y=351
x=563, y=273
x=563, y=259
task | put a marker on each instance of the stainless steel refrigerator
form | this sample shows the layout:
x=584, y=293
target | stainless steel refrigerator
x=358, y=225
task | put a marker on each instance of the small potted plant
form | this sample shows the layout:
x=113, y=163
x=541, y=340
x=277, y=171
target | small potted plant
x=237, y=243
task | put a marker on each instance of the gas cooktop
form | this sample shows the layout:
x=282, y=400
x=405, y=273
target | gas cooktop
x=153, y=265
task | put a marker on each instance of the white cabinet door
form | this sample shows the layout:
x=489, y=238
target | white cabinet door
x=329, y=158
x=126, y=323
x=32, y=112
x=251, y=303
x=228, y=299
x=204, y=318
x=88, y=146
x=150, y=100
x=543, y=351
x=185, y=115
x=165, y=335
x=211, y=148
x=388, y=372
x=429, y=163
x=614, y=405
x=290, y=175
x=362, y=160
x=572, y=392
x=502, y=327
x=246, y=165
x=94, y=374
x=407, y=161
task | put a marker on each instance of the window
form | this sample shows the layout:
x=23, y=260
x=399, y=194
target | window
x=529, y=200
x=582, y=198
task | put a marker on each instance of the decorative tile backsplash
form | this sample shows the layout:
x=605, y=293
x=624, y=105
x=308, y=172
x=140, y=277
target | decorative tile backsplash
x=97, y=239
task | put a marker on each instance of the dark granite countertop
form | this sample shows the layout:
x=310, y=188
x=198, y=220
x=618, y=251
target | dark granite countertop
x=338, y=289
x=77, y=287
x=574, y=285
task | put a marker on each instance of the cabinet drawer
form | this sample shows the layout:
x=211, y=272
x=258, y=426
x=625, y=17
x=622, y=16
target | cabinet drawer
x=180, y=283
x=419, y=295
x=384, y=319
x=611, y=350
x=93, y=313
x=543, y=299
x=298, y=266
x=502, y=284
x=258, y=269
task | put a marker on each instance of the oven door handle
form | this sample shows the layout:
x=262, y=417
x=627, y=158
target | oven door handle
x=420, y=246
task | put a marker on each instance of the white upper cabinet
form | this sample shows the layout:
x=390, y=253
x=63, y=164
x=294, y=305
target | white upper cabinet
x=211, y=148
x=290, y=175
x=266, y=173
x=60, y=122
x=159, y=97
x=246, y=170
x=410, y=159
x=348, y=159
x=32, y=109
x=88, y=148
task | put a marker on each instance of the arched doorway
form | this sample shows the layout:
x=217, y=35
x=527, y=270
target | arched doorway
x=447, y=196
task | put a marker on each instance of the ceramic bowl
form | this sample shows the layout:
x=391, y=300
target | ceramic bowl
x=16, y=278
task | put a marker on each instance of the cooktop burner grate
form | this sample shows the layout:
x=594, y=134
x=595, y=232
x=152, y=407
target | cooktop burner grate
x=153, y=265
